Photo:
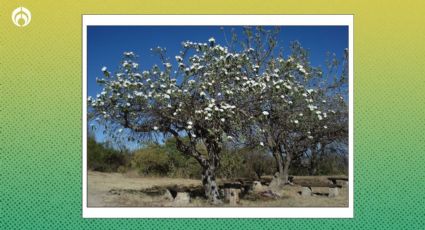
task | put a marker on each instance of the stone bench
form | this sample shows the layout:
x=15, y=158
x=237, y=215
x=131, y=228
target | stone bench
x=330, y=191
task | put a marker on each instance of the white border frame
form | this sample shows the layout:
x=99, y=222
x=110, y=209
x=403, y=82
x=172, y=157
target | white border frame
x=189, y=212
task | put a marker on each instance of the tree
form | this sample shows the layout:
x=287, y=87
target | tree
x=332, y=90
x=282, y=104
x=292, y=109
x=247, y=92
x=200, y=100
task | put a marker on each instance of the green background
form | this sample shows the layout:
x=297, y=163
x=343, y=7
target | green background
x=40, y=99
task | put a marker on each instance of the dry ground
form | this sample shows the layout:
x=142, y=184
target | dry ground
x=121, y=190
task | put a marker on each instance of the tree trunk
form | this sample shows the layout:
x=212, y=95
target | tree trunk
x=286, y=166
x=210, y=185
x=312, y=171
x=208, y=174
x=279, y=179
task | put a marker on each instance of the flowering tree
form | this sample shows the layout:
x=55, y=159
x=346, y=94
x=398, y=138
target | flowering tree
x=281, y=103
x=290, y=110
x=245, y=93
x=200, y=101
x=332, y=91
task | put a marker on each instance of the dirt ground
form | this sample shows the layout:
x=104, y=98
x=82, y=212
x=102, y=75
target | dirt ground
x=123, y=190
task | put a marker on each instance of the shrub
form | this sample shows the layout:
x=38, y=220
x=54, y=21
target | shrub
x=102, y=157
x=258, y=162
x=232, y=164
x=152, y=160
x=181, y=165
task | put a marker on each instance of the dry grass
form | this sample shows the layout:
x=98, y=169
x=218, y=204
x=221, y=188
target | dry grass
x=123, y=190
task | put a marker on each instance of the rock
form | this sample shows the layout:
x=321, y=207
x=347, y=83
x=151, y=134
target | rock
x=306, y=191
x=275, y=182
x=182, y=199
x=257, y=187
x=167, y=195
x=342, y=183
x=333, y=192
x=268, y=194
x=231, y=195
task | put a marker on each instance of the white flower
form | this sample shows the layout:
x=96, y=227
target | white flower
x=265, y=113
x=129, y=54
x=104, y=69
x=261, y=143
x=277, y=87
x=229, y=92
x=296, y=121
x=119, y=130
x=155, y=128
x=325, y=127
x=229, y=137
x=211, y=41
x=223, y=120
x=301, y=114
x=193, y=135
x=320, y=117
x=310, y=90
x=189, y=127
x=310, y=137
x=311, y=107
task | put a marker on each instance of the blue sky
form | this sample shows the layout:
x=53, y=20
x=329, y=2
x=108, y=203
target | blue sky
x=106, y=44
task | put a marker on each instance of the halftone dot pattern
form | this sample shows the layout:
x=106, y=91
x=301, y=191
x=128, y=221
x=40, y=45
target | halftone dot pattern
x=40, y=116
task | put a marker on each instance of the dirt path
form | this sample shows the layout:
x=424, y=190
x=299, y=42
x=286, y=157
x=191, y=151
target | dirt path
x=122, y=190
x=99, y=185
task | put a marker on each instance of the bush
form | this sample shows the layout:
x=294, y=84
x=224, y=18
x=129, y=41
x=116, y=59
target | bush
x=181, y=165
x=231, y=165
x=102, y=157
x=258, y=162
x=333, y=164
x=152, y=160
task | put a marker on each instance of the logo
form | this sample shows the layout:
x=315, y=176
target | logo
x=21, y=16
